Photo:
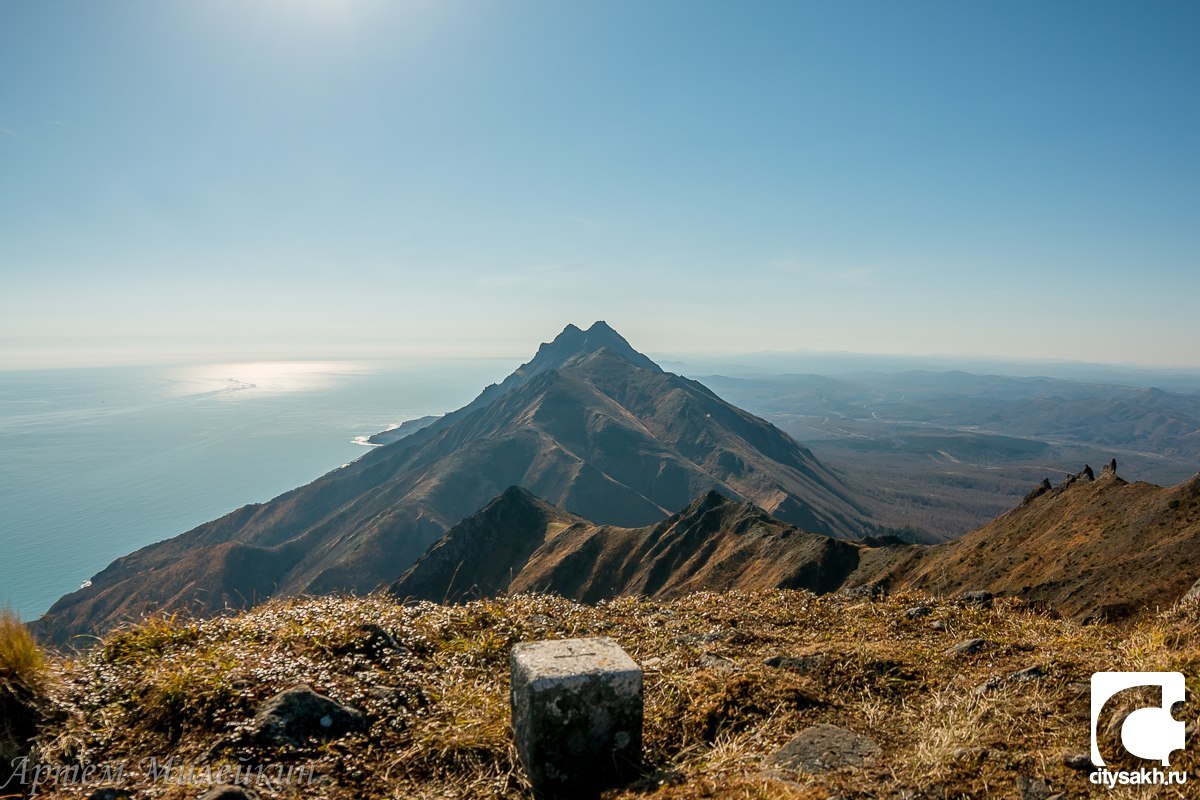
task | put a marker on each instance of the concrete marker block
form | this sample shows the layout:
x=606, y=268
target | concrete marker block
x=577, y=714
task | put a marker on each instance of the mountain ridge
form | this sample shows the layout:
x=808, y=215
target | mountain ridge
x=712, y=544
x=588, y=423
x=1093, y=547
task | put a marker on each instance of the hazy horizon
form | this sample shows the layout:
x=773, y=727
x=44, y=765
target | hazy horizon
x=343, y=178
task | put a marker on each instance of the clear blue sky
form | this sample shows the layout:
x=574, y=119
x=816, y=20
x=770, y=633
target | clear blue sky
x=281, y=178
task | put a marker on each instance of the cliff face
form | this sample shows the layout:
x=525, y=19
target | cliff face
x=589, y=424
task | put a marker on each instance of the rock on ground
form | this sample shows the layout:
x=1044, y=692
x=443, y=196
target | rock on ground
x=299, y=714
x=825, y=747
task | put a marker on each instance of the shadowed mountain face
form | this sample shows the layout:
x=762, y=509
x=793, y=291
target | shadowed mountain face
x=589, y=424
x=1091, y=548
x=519, y=543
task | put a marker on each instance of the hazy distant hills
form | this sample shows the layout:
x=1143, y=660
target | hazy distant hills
x=589, y=424
x=1091, y=549
x=948, y=451
x=1049, y=410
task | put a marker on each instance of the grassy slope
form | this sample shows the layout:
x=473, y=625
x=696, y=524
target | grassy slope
x=434, y=680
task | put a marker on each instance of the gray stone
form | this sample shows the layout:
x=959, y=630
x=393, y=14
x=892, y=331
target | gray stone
x=868, y=591
x=972, y=754
x=967, y=647
x=300, y=714
x=916, y=612
x=825, y=747
x=1034, y=673
x=229, y=793
x=577, y=714
x=109, y=793
x=718, y=662
x=937, y=625
x=701, y=638
x=980, y=598
x=809, y=663
x=1033, y=789
x=1078, y=761
x=990, y=685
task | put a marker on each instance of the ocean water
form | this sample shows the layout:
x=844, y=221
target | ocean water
x=95, y=463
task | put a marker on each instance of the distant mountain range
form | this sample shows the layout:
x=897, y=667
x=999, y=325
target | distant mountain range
x=569, y=477
x=589, y=424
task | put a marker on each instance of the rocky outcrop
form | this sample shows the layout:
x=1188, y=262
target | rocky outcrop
x=1039, y=490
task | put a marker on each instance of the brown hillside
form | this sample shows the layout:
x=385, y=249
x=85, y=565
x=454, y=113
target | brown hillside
x=519, y=543
x=1089, y=548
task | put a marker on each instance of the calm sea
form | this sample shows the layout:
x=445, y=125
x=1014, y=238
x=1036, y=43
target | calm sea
x=95, y=463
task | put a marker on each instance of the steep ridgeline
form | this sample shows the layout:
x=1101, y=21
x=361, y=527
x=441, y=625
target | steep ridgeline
x=589, y=424
x=1092, y=547
x=519, y=543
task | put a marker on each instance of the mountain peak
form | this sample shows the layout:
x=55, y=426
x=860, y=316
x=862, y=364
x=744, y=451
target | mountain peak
x=575, y=343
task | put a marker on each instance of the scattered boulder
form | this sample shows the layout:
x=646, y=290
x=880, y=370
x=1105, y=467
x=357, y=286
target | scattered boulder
x=809, y=663
x=300, y=714
x=916, y=612
x=1087, y=476
x=868, y=591
x=825, y=747
x=979, y=598
x=1034, y=673
x=701, y=638
x=972, y=754
x=967, y=647
x=1081, y=762
x=1033, y=789
x=718, y=662
x=229, y=793
x=937, y=625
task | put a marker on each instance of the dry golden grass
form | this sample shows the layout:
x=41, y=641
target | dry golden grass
x=434, y=681
x=21, y=660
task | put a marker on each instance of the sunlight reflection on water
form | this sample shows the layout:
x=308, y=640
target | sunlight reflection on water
x=245, y=380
